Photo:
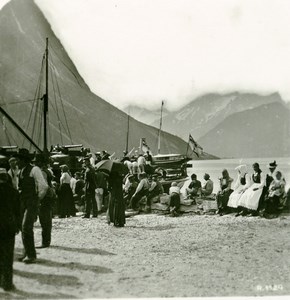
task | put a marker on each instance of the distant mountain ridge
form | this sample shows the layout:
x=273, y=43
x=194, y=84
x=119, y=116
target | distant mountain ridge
x=92, y=121
x=211, y=113
x=144, y=115
x=206, y=112
x=263, y=131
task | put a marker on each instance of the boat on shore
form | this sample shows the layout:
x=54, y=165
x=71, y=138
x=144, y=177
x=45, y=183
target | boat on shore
x=172, y=166
x=38, y=134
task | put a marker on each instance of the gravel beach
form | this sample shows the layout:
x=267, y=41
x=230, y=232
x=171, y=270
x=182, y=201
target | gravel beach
x=158, y=256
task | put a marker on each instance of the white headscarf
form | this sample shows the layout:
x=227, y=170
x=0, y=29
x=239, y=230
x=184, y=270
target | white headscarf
x=243, y=169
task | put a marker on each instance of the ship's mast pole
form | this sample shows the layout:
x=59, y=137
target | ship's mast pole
x=127, y=139
x=45, y=103
x=159, y=133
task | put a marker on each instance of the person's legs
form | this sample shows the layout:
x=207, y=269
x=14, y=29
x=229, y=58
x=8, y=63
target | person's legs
x=27, y=232
x=94, y=205
x=6, y=263
x=45, y=219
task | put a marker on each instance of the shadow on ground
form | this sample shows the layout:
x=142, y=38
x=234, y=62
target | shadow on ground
x=83, y=250
x=18, y=294
x=74, y=266
x=50, y=279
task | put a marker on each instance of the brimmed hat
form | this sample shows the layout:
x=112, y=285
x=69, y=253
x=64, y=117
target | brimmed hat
x=24, y=155
x=272, y=164
x=41, y=158
x=12, y=159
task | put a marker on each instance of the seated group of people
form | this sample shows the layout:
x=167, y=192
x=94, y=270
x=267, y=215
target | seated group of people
x=252, y=194
x=139, y=185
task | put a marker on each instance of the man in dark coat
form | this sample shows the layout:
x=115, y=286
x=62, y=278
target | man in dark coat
x=32, y=188
x=10, y=223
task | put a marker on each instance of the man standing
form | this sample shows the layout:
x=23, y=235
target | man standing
x=32, y=188
x=90, y=186
x=46, y=203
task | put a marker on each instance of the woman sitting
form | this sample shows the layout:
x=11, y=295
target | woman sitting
x=249, y=201
x=242, y=183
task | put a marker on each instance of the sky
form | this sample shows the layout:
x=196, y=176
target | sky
x=145, y=51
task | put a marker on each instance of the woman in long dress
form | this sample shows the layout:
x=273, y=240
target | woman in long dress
x=116, y=207
x=241, y=184
x=65, y=195
x=251, y=197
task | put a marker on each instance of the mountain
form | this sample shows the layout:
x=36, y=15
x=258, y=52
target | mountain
x=263, y=131
x=206, y=112
x=76, y=114
x=144, y=115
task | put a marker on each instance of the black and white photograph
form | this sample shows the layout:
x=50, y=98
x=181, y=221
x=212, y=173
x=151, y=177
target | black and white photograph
x=144, y=149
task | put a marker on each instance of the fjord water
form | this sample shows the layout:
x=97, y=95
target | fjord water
x=214, y=168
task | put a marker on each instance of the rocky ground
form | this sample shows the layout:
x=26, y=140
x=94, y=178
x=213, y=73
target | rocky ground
x=158, y=256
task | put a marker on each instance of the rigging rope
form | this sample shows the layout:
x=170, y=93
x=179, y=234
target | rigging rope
x=75, y=76
x=59, y=93
x=56, y=109
x=36, y=97
x=19, y=102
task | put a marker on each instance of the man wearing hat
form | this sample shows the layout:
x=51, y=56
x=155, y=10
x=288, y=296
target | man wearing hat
x=14, y=172
x=269, y=178
x=32, y=188
x=10, y=222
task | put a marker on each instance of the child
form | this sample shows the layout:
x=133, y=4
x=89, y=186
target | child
x=174, y=205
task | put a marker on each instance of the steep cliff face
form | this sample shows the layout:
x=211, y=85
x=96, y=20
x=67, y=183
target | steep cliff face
x=76, y=115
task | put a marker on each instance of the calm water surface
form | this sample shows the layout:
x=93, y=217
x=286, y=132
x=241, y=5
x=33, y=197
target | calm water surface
x=214, y=168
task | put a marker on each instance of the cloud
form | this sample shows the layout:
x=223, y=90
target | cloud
x=143, y=52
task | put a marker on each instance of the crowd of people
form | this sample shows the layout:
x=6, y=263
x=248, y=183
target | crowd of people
x=253, y=194
x=30, y=190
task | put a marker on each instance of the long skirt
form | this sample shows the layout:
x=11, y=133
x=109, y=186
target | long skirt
x=235, y=197
x=250, y=198
x=116, y=210
x=66, y=201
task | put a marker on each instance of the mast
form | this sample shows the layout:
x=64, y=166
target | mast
x=159, y=133
x=127, y=139
x=45, y=102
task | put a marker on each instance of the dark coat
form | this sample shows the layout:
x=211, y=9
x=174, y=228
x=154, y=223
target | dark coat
x=10, y=214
